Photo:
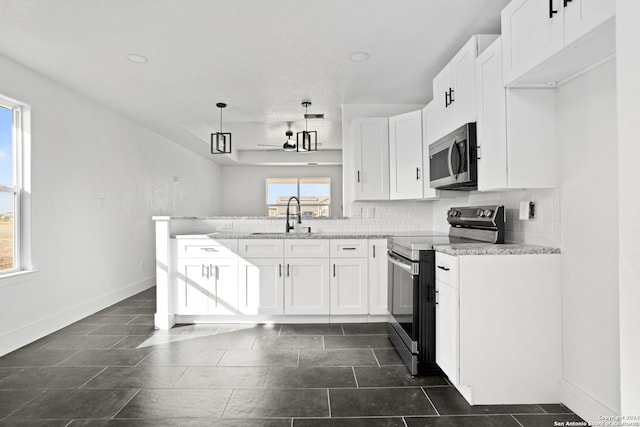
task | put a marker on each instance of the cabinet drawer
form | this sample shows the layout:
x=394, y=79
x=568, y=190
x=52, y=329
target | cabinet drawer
x=306, y=248
x=261, y=248
x=208, y=248
x=447, y=269
x=348, y=248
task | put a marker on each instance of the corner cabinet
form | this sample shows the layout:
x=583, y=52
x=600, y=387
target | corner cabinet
x=405, y=156
x=496, y=314
x=371, y=158
x=545, y=42
x=516, y=130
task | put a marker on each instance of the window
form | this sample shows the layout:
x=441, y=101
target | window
x=11, y=190
x=314, y=195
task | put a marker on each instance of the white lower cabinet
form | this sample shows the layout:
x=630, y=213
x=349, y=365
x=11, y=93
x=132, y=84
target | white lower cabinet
x=378, y=277
x=273, y=277
x=447, y=330
x=261, y=286
x=349, y=286
x=498, y=327
x=306, y=286
x=208, y=286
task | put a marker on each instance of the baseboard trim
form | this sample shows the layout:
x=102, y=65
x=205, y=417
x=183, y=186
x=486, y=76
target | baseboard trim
x=20, y=337
x=583, y=404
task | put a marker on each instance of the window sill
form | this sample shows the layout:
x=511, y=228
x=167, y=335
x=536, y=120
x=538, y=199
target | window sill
x=11, y=279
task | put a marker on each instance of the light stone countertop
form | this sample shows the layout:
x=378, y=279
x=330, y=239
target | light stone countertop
x=458, y=249
x=280, y=235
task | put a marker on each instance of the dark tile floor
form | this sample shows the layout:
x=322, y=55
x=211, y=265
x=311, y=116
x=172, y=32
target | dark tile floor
x=113, y=369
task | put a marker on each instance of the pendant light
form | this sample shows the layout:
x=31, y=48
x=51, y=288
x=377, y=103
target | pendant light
x=306, y=140
x=290, y=143
x=221, y=141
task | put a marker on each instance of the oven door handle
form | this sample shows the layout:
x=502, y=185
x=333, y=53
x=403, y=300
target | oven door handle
x=411, y=268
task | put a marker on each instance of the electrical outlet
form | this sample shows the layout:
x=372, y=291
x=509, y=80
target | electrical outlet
x=227, y=225
x=143, y=266
x=101, y=202
x=176, y=179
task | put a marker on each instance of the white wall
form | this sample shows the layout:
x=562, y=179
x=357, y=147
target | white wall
x=244, y=187
x=588, y=159
x=628, y=34
x=88, y=257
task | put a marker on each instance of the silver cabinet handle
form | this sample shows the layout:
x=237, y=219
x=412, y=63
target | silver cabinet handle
x=334, y=270
x=205, y=271
x=374, y=251
x=417, y=174
x=437, y=292
x=358, y=176
x=209, y=249
x=349, y=249
x=279, y=270
x=288, y=270
x=442, y=267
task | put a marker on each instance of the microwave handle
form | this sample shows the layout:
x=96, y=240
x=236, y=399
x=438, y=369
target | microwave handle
x=453, y=144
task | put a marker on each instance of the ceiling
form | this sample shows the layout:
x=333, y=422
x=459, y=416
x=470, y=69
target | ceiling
x=261, y=57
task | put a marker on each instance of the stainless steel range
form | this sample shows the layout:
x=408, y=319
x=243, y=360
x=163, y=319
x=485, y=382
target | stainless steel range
x=412, y=280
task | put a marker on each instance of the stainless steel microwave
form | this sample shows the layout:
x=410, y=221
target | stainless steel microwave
x=453, y=162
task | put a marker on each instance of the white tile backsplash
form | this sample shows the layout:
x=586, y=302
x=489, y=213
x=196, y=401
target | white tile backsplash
x=404, y=216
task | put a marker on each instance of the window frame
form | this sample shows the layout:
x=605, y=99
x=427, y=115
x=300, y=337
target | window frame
x=20, y=146
x=297, y=179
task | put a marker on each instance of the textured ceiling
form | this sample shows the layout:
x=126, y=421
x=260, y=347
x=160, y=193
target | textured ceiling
x=261, y=57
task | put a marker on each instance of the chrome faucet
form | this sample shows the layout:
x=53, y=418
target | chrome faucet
x=288, y=227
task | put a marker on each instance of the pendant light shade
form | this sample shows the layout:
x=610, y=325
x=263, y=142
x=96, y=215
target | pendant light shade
x=306, y=141
x=221, y=141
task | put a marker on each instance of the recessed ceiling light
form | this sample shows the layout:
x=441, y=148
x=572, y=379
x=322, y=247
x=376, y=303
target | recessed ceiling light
x=138, y=59
x=359, y=56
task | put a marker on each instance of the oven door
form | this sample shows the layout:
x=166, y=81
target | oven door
x=403, y=301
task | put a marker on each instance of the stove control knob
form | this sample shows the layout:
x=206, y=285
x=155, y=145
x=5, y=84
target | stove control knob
x=488, y=213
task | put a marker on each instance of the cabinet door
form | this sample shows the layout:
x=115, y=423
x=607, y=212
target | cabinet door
x=447, y=330
x=371, y=158
x=491, y=121
x=261, y=286
x=194, y=287
x=530, y=35
x=428, y=128
x=405, y=155
x=463, y=94
x=349, y=286
x=442, y=84
x=306, y=286
x=582, y=16
x=378, y=286
x=224, y=286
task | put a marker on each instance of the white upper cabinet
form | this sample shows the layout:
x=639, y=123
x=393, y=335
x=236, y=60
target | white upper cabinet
x=545, y=42
x=516, y=130
x=371, y=158
x=583, y=16
x=428, y=128
x=405, y=156
x=454, y=88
